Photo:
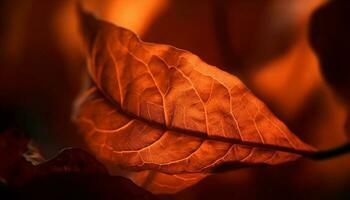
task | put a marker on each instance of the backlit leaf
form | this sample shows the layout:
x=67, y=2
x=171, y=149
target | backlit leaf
x=168, y=118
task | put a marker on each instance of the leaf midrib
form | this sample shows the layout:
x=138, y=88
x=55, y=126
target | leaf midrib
x=202, y=135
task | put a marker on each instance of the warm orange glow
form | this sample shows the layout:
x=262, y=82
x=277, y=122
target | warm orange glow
x=135, y=15
x=287, y=80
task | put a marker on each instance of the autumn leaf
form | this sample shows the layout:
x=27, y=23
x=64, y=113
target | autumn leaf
x=164, y=118
x=72, y=173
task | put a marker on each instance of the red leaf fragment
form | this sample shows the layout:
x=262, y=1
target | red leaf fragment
x=73, y=173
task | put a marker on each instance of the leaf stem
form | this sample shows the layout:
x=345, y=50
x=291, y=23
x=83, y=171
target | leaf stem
x=330, y=153
x=319, y=155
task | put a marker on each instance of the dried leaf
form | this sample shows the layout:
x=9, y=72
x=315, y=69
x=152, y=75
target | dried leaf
x=161, y=109
x=73, y=173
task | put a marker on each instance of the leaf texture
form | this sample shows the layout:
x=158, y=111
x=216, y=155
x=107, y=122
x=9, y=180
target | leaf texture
x=167, y=117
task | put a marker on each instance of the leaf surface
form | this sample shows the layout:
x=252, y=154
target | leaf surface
x=167, y=117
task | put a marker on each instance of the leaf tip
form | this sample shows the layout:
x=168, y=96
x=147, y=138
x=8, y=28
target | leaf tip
x=88, y=25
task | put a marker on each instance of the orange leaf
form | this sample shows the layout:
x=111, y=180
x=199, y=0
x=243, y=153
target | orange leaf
x=161, y=109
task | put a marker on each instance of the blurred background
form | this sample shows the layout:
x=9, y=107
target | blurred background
x=265, y=43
